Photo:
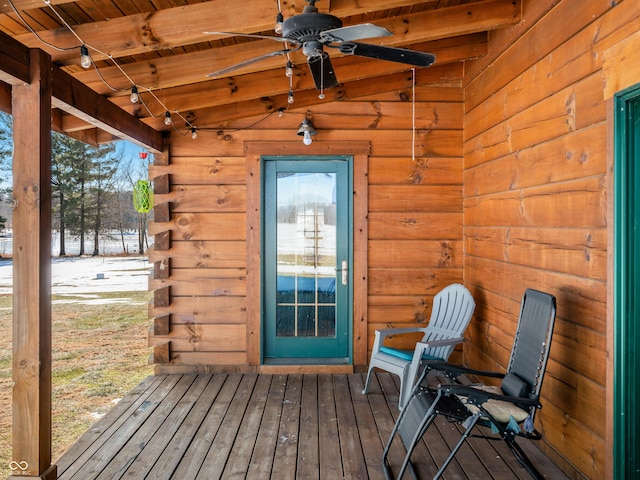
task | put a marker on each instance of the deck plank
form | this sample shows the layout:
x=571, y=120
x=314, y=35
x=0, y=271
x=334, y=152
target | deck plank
x=262, y=458
x=308, y=450
x=245, y=444
x=328, y=438
x=245, y=426
x=353, y=461
x=368, y=433
x=284, y=464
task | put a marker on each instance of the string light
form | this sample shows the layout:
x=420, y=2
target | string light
x=85, y=59
x=279, y=20
x=134, y=95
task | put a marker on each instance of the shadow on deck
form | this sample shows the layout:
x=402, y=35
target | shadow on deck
x=270, y=426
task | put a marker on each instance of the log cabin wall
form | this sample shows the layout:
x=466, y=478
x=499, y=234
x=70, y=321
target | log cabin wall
x=200, y=303
x=535, y=207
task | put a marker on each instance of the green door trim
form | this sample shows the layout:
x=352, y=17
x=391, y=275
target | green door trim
x=626, y=288
x=344, y=162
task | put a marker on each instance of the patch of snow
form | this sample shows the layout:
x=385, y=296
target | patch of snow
x=77, y=276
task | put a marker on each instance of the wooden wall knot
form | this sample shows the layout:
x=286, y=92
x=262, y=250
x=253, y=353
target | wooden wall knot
x=445, y=255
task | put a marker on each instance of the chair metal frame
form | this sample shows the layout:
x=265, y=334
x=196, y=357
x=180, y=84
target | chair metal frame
x=532, y=339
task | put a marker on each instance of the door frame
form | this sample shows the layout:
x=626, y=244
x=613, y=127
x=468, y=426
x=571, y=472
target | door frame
x=254, y=151
x=342, y=165
x=626, y=288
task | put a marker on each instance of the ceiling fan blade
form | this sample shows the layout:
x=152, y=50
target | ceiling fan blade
x=322, y=71
x=249, y=35
x=353, y=32
x=250, y=61
x=400, y=55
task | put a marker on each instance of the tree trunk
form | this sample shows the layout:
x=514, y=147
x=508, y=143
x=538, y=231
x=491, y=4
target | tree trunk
x=62, y=227
x=82, y=217
x=96, y=233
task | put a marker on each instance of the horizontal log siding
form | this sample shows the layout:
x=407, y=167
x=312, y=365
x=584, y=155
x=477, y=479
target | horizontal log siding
x=535, y=206
x=415, y=219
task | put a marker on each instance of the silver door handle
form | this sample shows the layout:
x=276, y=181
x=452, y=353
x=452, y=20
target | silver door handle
x=344, y=272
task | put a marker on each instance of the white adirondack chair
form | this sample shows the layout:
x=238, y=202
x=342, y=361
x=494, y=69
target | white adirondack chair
x=450, y=315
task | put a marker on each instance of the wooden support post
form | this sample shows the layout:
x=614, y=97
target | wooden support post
x=31, y=106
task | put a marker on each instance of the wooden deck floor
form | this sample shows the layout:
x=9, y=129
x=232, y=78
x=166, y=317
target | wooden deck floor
x=269, y=426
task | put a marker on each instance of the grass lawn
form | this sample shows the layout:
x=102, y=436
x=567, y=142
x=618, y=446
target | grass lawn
x=100, y=353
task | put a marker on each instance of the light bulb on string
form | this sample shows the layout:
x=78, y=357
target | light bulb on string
x=194, y=133
x=85, y=58
x=278, y=26
x=290, y=97
x=167, y=118
x=134, y=95
x=288, y=71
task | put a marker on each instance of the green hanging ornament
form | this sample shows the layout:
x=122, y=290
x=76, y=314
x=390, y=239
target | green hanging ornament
x=142, y=196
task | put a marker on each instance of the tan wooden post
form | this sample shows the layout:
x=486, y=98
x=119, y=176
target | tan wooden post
x=31, y=106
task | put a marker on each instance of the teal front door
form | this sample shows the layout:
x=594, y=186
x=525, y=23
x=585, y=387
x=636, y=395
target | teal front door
x=306, y=260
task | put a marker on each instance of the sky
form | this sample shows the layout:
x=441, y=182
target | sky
x=129, y=153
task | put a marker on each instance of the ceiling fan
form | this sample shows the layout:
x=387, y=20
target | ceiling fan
x=311, y=31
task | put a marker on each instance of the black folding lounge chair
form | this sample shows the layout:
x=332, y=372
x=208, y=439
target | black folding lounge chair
x=508, y=410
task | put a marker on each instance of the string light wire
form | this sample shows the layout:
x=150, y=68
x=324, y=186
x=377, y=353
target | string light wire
x=107, y=56
x=190, y=127
x=413, y=114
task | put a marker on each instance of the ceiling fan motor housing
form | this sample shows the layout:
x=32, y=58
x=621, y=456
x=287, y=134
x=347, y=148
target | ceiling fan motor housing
x=308, y=25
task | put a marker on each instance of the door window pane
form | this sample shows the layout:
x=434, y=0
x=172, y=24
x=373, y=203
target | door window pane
x=306, y=254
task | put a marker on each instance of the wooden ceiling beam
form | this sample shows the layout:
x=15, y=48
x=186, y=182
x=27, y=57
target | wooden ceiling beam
x=23, y=5
x=176, y=27
x=14, y=61
x=73, y=97
x=255, y=88
x=272, y=82
x=193, y=67
x=5, y=97
x=221, y=117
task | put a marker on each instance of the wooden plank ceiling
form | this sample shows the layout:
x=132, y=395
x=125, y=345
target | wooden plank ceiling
x=161, y=47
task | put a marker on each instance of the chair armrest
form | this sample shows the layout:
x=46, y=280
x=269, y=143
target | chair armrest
x=440, y=343
x=385, y=332
x=478, y=397
x=453, y=371
x=380, y=335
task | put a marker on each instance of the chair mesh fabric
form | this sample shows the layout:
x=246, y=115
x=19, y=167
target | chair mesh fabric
x=533, y=331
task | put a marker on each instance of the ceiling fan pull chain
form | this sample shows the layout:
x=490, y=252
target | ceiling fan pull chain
x=321, y=96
